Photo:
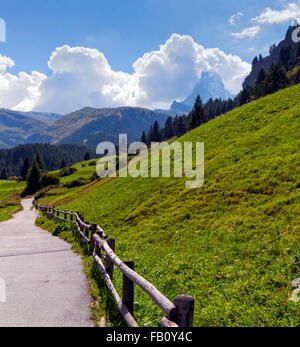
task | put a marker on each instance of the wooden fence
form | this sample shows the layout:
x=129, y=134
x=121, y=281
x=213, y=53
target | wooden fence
x=180, y=313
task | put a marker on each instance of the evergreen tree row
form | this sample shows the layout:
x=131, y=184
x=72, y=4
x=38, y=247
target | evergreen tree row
x=288, y=56
x=266, y=83
x=17, y=161
x=179, y=125
x=38, y=178
x=276, y=78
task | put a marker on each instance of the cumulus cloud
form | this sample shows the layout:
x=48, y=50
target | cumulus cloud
x=5, y=63
x=19, y=92
x=248, y=32
x=83, y=77
x=232, y=20
x=270, y=16
x=173, y=71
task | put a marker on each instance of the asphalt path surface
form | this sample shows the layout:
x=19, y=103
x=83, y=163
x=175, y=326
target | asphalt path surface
x=42, y=283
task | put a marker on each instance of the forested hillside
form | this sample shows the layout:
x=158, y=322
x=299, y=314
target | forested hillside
x=12, y=160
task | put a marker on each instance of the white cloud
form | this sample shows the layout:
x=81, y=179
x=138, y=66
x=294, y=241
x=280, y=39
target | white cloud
x=248, y=32
x=270, y=16
x=171, y=72
x=19, y=92
x=83, y=77
x=5, y=63
x=232, y=20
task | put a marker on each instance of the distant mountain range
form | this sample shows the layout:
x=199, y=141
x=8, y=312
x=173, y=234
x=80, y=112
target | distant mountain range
x=16, y=127
x=91, y=126
x=86, y=127
x=210, y=86
x=47, y=118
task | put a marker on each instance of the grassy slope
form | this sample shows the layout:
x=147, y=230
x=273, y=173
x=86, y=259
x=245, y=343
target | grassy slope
x=233, y=244
x=9, y=199
x=82, y=172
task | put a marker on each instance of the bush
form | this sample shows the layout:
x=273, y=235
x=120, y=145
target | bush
x=33, y=181
x=67, y=171
x=77, y=183
x=49, y=179
x=40, y=194
x=94, y=177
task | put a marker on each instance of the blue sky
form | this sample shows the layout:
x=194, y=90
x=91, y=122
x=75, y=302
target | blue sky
x=125, y=29
x=122, y=31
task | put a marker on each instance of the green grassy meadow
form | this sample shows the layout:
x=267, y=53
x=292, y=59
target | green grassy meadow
x=9, y=198
x=83, y=171
x=233, y=244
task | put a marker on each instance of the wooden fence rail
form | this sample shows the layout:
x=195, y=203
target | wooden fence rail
x=178, y=314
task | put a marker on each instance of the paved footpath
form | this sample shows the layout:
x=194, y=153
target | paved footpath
x=45, y=284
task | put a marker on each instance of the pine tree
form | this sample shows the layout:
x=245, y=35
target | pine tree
x=197, y=116
x=230, y=104
x=182, y=125
x=276, y=79
x=156, y=133
x=179, y=126
x=144, y=138
x=34, y=179
x=39, y=161
x=150, y=134
x=272, y=49
x=4, y=174
x=25, y=169
x=168, y=131
x=244, y=96
x=261, y=76
x=260, y=81
x=87, y=156
x=63, y=164
x=254, y=61
x=285, y=56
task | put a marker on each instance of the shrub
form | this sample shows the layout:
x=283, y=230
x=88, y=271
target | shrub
x=40, y=194
x=94, y=177
x=49, y=179
x=33, y=181
x=77, y=183
x=67, y=171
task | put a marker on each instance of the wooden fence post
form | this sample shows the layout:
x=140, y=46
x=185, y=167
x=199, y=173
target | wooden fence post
x=184, y=311
x=87, y=231
x=128, y=289
x=109, y=265
x=93, y=229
